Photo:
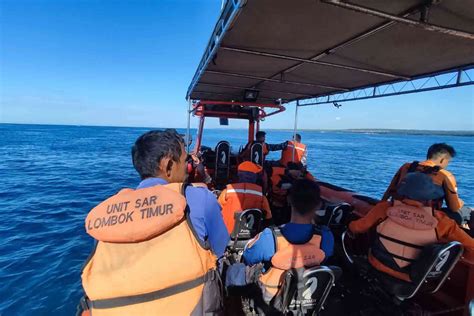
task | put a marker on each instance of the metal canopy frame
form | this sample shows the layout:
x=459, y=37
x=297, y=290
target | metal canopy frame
x=316, y=62
x=228, y=15
x=349, y=42
x=275, y=80
x=395, y=83
x=384, y=15
x=243, y=88
x=460, y=77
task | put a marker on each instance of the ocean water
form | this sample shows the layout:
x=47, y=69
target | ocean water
x=51, y=176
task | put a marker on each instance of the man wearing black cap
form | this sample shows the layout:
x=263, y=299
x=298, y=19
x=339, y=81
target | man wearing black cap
x=408, y=223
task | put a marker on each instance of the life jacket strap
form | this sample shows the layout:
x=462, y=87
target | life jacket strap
x=152, y=296
x=424, y=169
x=401, y=242
x=413, y=166
x=401, y=258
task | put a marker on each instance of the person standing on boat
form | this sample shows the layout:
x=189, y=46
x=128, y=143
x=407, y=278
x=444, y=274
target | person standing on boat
x=245, y=194
x=157, y=244
x=267, y=148
x=438, y=157
x=407, y=224
x=294, y=152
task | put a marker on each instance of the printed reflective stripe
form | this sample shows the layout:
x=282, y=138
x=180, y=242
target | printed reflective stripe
x=297, y=148
x=404, y=243
x=245, y=191
x=147, y=297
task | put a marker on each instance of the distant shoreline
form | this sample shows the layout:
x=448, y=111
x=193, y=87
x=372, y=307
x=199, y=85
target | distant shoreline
x=387, y=131
x=350, y=130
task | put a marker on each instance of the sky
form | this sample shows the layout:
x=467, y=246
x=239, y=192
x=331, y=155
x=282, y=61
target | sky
x=129, y=63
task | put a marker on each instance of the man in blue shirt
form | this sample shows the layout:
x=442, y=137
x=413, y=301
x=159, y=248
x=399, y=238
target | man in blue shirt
x=304, y=194
x=304, y=199
x=160, y=158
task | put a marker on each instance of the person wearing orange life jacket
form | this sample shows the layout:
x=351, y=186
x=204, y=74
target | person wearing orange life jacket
x=297, y=244
x=407, y=224
x=438, y=158
x=243, y=195
x=155, y=254
x=281, y=179
x=267, y=148
x=294, y=152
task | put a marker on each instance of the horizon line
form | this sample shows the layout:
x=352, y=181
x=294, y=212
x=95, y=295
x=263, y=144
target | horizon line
x=273, y=129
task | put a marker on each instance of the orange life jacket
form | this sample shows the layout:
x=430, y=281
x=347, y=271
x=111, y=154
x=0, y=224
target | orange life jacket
x=287, y=153
x=148, y=260
x=289, y=256
x=278, y=195
x=440, y=177
x=239, y=197
x=403, y=234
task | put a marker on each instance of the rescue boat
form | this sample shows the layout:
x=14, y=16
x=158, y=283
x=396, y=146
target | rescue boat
x=264, y=56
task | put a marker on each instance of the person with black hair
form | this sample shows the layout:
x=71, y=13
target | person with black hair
x=294, y=152
x=260, y=137
x=160, y=158
x=408, y=223
x=299, y=243
x=437, y=159
x=281, y=180
x=157, y=245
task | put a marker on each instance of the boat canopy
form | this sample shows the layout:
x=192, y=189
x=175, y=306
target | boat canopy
x=295, y=50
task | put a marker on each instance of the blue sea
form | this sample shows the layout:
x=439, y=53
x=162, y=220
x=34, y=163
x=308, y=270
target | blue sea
x=51, y=176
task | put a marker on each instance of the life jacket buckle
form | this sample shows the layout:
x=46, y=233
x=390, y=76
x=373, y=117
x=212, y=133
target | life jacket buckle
x=84, y=302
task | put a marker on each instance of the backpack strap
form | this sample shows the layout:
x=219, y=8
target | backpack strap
x=276, y=233
x=425, y=169
x=413, y=166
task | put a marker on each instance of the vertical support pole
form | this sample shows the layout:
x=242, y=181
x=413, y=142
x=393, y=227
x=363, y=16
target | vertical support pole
x=199, y=135
x=295, y=129
x=458, y=79
x=188, y=130
x=251, y=134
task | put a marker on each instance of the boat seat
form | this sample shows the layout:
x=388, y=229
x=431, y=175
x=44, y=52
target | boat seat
x=427, y=273
x=248, y=224
x=222, y=165
x=336, y=216
x=256, y=154
x=304, y=291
